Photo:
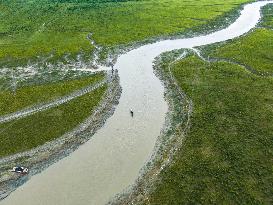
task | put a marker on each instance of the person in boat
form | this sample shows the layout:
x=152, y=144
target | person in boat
x=19, y=169
x=132, y=113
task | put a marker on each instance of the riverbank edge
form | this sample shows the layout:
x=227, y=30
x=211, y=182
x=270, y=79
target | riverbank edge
x=177, y=124
x=212, y=26
x=138, y=193
x=53, y=151
x=173, y=132
x=40, y=158
x=113, y=52
x=160, y=144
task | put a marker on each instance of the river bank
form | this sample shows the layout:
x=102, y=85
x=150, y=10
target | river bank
x=116, y=159
x=177, y=124
x=43, y=156
x=174, y=132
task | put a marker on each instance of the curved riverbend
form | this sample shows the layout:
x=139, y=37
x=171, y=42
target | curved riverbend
x=111, y=160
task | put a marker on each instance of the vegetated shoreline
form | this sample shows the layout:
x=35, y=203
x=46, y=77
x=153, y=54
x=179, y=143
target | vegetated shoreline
x=53, y=103
x=40, y=158
x=215, y=25
x=138, y=192
x=252, y=70
x=167, y=143
x=113, y=52
x=177, y=122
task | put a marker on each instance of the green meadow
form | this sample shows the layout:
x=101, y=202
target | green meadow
x=41, y=27
x=25, y=96
x=39, y=128
x=267, y=16
x=34, y=130
x=254, y=50
x=226, y=157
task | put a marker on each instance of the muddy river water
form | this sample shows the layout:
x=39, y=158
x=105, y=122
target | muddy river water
x=111, y=160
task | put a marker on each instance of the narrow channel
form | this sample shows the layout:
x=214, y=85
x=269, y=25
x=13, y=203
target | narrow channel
x=111, y=160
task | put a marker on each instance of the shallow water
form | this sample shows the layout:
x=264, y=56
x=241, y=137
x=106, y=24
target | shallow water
x=110, y=161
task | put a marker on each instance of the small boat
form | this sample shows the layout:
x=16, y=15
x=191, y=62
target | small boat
x=20, y=170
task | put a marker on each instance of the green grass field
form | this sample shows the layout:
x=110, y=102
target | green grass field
x=30, y=95
x=267, y=16
x=39, y=28
x=226, y=158
x=34, y=130
x=254, y=50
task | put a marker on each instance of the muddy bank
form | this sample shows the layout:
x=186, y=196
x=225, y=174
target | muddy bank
x=43, y=156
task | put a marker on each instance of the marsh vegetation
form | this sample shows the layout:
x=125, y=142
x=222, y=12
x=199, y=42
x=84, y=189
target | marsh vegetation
x=29, y=29
x=226, y=156
x=13, y=100
x=34, y=130
x=53, y=31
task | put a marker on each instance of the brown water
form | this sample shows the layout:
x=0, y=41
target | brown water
x=111, y=160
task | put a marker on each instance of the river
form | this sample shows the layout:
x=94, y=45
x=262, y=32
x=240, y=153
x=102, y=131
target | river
x=111, y=160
